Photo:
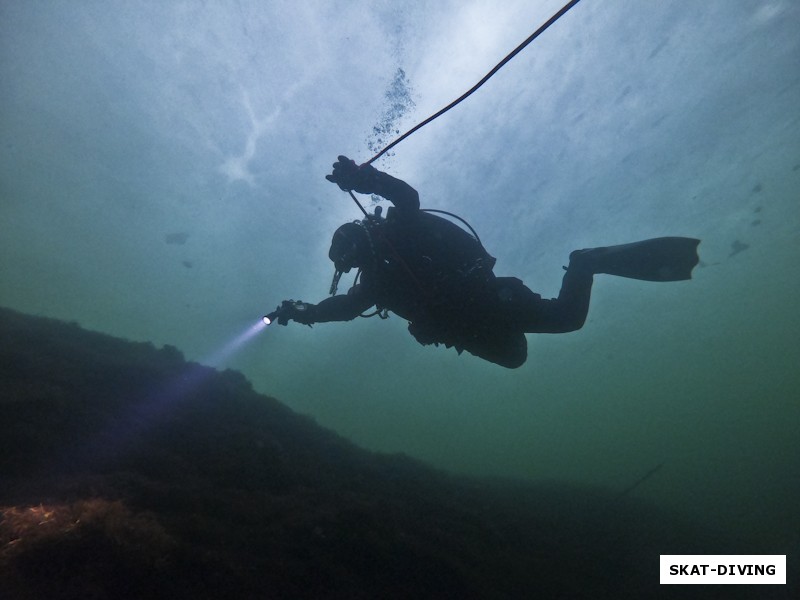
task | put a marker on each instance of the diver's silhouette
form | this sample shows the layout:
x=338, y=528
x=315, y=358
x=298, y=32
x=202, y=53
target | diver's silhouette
x=439, y=278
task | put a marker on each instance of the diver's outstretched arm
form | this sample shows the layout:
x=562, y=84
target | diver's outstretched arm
x=366, y=179
x=340, y=308
x=336, y=308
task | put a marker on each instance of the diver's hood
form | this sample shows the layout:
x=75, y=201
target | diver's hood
x=348, y=247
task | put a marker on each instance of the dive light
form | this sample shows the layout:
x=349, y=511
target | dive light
x=286, y=309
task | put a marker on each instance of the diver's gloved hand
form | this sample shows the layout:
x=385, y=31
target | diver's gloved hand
x=293, y=310
x=350, y=176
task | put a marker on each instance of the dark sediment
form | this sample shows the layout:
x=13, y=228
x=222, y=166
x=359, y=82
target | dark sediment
x=127, y=472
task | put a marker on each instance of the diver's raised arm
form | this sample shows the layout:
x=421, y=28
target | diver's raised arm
x=366, y=179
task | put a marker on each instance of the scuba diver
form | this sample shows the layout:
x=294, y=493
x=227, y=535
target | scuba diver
x=438, y=277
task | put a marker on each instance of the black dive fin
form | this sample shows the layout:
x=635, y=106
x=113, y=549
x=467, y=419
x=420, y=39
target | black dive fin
x=657, y=259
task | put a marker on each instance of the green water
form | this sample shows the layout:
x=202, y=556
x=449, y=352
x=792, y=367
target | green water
x=161, y=179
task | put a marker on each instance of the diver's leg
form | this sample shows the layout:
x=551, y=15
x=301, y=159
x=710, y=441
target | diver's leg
x=532, y=314
x=568, y=311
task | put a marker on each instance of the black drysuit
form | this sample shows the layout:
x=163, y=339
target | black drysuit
x=434, y=274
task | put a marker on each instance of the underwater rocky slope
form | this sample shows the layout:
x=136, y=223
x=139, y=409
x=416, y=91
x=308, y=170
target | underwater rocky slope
x=127, y=472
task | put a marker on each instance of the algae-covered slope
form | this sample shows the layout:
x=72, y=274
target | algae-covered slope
x=126, y=472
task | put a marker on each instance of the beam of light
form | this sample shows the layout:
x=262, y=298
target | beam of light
x=230, y=348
